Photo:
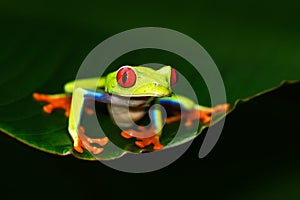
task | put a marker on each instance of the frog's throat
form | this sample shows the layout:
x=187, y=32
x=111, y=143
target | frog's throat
x=118, y=100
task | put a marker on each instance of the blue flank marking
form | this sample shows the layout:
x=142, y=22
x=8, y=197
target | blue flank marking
x=170, y=102
x=154, y=120
x=99, y=96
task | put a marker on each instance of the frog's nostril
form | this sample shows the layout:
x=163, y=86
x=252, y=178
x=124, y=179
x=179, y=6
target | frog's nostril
x=155, y=84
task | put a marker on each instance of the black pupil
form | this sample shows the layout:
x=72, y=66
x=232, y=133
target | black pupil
x=124, y=77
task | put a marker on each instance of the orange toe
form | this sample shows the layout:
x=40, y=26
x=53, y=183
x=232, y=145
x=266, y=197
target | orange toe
x=145, y=137
x=88, y=143
x=125, y=135
x=143, y=142
x=54, y=102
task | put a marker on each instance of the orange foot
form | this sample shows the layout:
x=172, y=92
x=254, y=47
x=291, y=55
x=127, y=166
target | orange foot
x=204, y=115
x=54, y=102
x=86, y=142
x=144, y=136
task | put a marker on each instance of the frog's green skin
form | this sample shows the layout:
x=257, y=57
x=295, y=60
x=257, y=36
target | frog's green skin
x=150, y=86
x=130, y=93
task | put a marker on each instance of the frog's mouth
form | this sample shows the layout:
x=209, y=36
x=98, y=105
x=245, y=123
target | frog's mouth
x=145, y=91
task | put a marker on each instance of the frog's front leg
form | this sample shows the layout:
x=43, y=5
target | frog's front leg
x=148, y=135
x=190, y=111
x=56, y=101
x=87, y=142
x=198, y=113
x=81, y=140
x=203, y=114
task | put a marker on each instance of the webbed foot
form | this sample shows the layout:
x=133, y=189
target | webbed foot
x=86, y=142
x=204, y=115
x=61, y=101
x=144, y=136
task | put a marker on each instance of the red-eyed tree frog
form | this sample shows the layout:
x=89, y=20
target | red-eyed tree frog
x=129, y=93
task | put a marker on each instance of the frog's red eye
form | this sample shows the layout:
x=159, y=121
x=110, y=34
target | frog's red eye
x=174, y=77
x=126, y=77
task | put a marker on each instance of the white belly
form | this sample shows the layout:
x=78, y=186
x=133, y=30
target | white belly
x=125, y=111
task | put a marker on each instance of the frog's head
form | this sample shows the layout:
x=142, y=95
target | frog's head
x=141, y=81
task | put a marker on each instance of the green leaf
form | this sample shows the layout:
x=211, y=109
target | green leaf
x=40, y=57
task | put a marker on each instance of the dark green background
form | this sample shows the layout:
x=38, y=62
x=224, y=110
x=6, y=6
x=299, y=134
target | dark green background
x=254, y=44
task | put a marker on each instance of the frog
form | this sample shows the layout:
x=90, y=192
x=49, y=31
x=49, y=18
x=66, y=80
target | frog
x=130, y=93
